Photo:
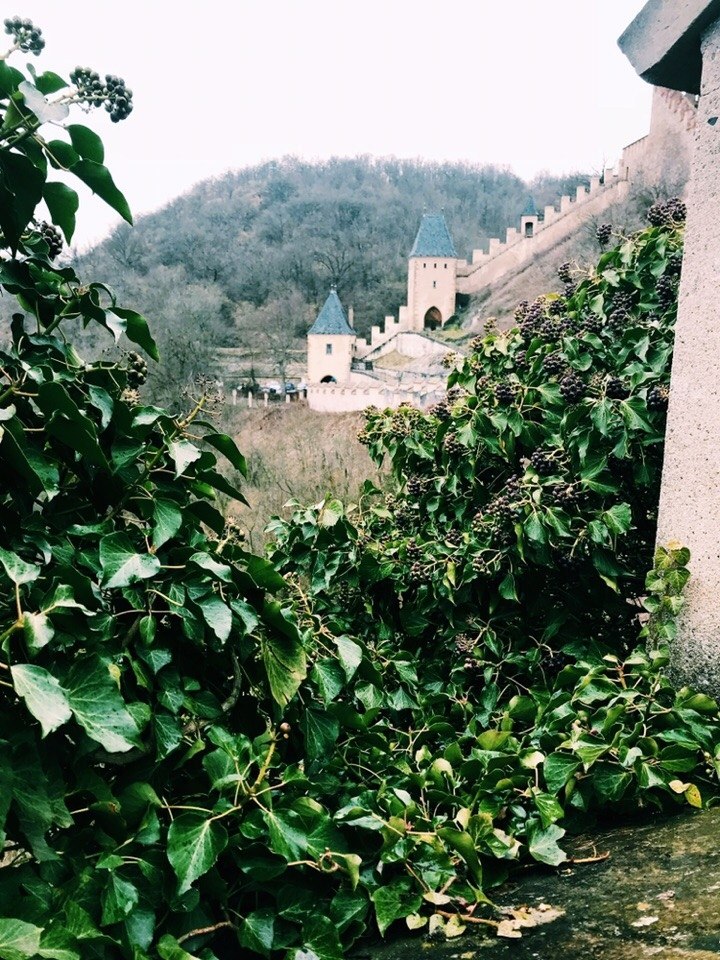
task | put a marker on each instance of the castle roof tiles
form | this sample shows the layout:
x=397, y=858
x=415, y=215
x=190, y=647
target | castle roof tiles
x=331, y=321
x=433, y=238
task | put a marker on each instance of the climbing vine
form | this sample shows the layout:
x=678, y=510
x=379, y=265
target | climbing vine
x=204, y=752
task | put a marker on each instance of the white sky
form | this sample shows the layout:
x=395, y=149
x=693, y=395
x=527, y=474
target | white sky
x=532, y=84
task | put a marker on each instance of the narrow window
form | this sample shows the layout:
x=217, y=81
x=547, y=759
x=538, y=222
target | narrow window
x=435, y=266
x=328, y=348
x=434, y=283
x=446, y=266
x=528, y=229
x=424, y=265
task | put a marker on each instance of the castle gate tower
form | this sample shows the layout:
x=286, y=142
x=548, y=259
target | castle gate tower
x=432, y=275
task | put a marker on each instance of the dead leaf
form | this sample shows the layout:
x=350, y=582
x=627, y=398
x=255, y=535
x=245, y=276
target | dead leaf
x=415, y=921
x=643, y=906
x=508, y=929
x=437, y=899
x=645, y=921
x=454, y=928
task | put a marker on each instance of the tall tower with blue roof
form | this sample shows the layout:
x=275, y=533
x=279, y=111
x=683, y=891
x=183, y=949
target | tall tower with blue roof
x=432, y=275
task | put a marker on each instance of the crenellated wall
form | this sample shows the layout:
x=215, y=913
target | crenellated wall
x=661, y=157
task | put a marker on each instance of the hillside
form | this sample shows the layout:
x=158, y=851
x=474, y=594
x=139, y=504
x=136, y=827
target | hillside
x=245, y=260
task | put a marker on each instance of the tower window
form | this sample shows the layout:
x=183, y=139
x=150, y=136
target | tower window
x=424, y=265
x=434, y=283
x=435, y=266
x=328, y=348
x=528, y=229
x=446, y=266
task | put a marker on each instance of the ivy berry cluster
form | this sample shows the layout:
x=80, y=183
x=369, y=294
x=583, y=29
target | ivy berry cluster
x=112, y=93
x=28, y=38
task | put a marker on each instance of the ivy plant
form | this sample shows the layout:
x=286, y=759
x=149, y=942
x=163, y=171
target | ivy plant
x=204, y=753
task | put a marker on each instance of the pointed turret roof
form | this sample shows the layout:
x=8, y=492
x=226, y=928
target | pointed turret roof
x=531, y=209
x=433, y=238
x=331, y=321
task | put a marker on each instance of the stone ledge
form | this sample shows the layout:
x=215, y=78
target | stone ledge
x=663, y=42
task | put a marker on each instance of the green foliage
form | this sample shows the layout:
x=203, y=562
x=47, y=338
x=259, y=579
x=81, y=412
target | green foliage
x=201, y=750
x=495, y=595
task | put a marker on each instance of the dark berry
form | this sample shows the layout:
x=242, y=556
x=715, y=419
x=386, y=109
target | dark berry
x=564, y=272
x=572, y=389
x=616, y=389
x=603, y=233
x=657, y=398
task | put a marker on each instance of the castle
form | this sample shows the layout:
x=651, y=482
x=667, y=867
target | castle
x=402, y=362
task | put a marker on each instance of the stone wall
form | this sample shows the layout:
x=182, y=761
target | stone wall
x=660, y=158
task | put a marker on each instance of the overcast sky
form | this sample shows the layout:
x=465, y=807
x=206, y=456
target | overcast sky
x=531, y=84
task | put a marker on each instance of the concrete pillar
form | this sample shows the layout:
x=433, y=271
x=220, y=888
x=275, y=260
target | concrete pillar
x=690, y=497
x=250, y=398
x=234, y=397
x=287, y=398
x=265, y=399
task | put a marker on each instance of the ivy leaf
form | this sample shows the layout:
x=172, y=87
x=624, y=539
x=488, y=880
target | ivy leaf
x=119, y=898
x=394, y=902
x=557, y=770
x=183, y=453
x=206, y=562
x=169, y=949
x=167, y=519
x=618, y=518
x=217, y=615
x=137, y=330
x=285, y=665
x=321, y=937
x=37, y=630
x=86, y=142
x=98, y=707
x=18, y=940
x=226, y=445
x=463, y=843
x=321, y=731
x=99, y=179
x=121, y=565
x=194, y=844
x=18, y=571
x=62, y=202
x=542, y=843
x=350, y=655
x=44, y=697
x=257, y=932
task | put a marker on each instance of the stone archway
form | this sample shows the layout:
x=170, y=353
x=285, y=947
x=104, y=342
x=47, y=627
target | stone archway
x=433, y=319
x=328, y=379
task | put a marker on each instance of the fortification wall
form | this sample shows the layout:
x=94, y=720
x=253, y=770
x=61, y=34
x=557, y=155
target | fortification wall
x=350, y=397
x=504, y=257
x=661, y=157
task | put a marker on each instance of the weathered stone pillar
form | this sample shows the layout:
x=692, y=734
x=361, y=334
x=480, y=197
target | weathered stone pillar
x=677, y=44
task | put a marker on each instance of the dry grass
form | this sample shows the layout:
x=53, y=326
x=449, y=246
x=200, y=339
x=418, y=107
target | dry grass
x=295, y=453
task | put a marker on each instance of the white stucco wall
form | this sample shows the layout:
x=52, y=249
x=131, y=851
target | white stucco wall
x=431, y=283
x=335, y=364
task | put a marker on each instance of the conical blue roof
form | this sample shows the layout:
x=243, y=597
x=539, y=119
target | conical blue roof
x=331, y=321
x=530, y=208
x=433, y=238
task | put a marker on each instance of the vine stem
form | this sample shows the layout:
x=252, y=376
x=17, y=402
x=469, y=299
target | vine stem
x=200, y=931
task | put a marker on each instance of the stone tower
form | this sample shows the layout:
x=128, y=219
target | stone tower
x=330, y=344
x=432, y=275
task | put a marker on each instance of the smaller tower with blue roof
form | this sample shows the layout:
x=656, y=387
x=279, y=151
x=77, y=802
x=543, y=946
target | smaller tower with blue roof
x=331, y=344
